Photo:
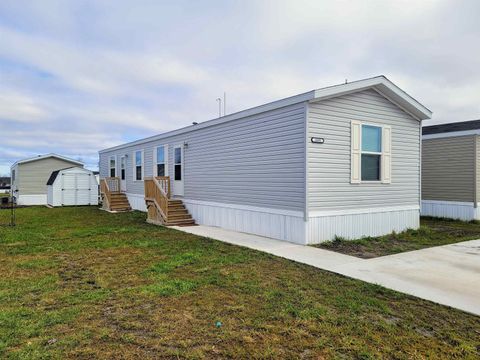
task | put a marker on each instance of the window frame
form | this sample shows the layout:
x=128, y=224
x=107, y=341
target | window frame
x=110, y=158
x=123, y=168
x=165, y=159
x=181, y=163
x=134, y=162
x=381, y=153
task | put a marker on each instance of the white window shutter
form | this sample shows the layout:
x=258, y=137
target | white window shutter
x=356, y=146
x=387, y=155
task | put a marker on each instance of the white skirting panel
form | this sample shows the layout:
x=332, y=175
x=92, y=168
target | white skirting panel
x=360, y=223
x=137, y=201
x=273, y=223
x=450, y=209
x=37, y=199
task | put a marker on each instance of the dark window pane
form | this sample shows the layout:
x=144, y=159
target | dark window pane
x=371, y=138
x=112, y=172
x=160, y=169
x=138, y=173
x=370, y=167
x=178, y=172
x=178, y=155
x=123, y=174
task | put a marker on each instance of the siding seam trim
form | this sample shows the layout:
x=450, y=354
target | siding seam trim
x=446, y=202
x=306, y=165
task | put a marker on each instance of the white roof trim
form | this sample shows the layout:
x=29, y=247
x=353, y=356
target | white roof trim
x=40, y=157
x=380, y=83
x=451, y=134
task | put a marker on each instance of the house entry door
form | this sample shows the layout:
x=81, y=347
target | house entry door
x=178, y=170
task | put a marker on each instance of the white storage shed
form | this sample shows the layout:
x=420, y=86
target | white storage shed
x=72, y=187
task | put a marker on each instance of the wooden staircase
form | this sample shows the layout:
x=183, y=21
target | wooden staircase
x=161, y=209
x=119, y=202
x=112, y=199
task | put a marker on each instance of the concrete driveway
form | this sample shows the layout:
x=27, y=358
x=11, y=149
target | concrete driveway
x=448, y=275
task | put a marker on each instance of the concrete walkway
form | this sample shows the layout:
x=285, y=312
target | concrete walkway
x=448, y=275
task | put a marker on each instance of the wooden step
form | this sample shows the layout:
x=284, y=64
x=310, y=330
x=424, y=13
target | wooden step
x=179, y=217
x=186, y=222
x=119, y=202
x=174, y=201
x=176, y=205
x=172, y=212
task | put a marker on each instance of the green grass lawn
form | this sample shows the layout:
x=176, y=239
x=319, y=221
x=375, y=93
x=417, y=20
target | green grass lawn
x=432, y=232
x=83, y=283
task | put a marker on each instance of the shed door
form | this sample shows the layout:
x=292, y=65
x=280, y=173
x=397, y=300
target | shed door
x=68, y=189
x=83, y=189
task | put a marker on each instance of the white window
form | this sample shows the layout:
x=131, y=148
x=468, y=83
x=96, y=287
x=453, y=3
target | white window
x=123, y=168
x=13, y=176
x=371, y=153
x=113, y=163
x=178, y=163
x=138, y=165
x=160, y=164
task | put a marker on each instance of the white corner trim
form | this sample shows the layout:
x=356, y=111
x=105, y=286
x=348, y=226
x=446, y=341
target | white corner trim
x=40, y=157
x=451, y=134
x=379, y=83
x=293, y=213
x=323, y=213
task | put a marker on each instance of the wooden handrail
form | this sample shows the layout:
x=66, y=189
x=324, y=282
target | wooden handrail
x=164, y=183
x=108, y=186
x=157, y=189
x=113, y=184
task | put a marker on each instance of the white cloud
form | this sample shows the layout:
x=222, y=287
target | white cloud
x=17, y=107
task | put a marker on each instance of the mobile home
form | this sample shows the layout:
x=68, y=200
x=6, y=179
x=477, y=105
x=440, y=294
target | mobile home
x=29, y=177
x=450, y=170
x=337, y=161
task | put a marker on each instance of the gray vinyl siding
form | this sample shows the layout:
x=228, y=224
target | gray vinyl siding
x=257, y=160
x=448, y=168
x=328, y=169
x=32, y=176
x=477, y=168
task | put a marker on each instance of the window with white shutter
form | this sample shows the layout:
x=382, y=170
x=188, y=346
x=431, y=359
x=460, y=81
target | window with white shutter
x=371, y=153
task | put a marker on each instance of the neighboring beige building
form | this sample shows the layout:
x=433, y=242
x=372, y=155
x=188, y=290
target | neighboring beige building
x=29, y=177
x=450, y=170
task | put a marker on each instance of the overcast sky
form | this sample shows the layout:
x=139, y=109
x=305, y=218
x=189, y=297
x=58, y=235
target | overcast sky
x=80, y=76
